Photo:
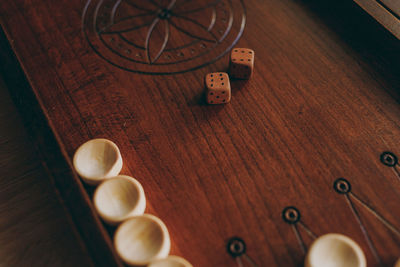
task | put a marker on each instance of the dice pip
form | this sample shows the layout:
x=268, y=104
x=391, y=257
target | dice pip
x=241, y=63
x=218, y=88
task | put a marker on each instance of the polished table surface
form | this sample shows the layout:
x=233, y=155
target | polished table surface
x=323, y=104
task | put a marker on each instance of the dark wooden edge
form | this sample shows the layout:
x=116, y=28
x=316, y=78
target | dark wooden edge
x=394, y=14
x=383, y=14
x=92, y=235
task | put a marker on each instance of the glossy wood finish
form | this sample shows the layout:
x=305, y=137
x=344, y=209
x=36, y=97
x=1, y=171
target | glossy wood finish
x=323, y=103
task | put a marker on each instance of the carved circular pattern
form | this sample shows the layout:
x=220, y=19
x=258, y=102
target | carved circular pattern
x=160, y=37
x=291, y=215
x=389, y=159
x=342, y=186
x=236, y=247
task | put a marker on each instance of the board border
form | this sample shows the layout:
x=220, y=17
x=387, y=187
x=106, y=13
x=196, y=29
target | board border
x=92, y=236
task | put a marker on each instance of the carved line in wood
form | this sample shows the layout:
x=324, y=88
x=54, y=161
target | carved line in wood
x=343, y=186
x=249, y=260
x=116, y=37
x=236, y=247
x=292, y=216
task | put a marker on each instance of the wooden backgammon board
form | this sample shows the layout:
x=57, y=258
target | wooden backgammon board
x=308, y=146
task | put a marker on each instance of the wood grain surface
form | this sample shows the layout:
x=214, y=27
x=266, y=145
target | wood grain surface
x=323, y=103
x=34, y=229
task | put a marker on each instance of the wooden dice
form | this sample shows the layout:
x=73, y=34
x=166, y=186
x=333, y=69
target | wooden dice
x=240, y=67
x=218, y=88
x=241, y=63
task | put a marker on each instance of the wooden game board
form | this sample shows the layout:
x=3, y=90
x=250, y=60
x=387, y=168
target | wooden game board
x=306, y=147
x=387, y=12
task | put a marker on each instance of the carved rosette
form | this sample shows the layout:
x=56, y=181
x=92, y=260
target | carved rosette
x=162, y=37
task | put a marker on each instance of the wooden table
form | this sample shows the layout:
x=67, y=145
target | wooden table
x=323, y=104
